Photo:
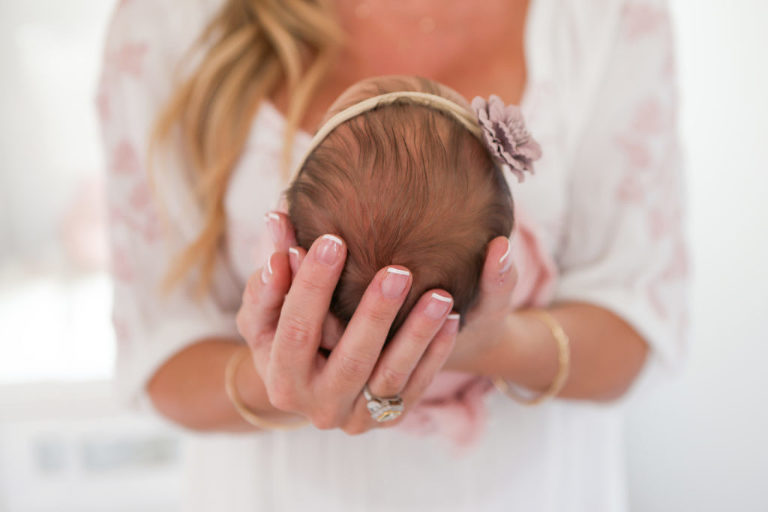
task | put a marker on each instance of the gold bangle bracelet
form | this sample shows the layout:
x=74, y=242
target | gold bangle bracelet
x=248, y=415
x=563, y=362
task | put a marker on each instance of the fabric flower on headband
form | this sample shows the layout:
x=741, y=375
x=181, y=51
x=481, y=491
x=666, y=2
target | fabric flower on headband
x=505, y=135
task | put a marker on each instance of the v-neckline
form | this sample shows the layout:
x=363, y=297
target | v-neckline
x=272, y=110
x=530, y=63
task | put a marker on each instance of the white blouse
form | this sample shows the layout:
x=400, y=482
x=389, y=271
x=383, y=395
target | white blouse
x=607, y=198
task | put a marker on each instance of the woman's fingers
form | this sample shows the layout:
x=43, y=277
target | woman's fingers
x=332, y=327
x=283, y=237
x=498, y=279
x=352, y=360
x=280, y=230
x=263, y=298
x=262, y=301
x=432, y=361
x=306, y=305
x=295, y=256
x=403, y=353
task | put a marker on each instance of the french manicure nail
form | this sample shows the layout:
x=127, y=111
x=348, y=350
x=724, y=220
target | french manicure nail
x=454, y=318
x=273, y=225
x=438, y=305
x=329, y=250
x=395, y=282
x=293, y=257
x=505, y=261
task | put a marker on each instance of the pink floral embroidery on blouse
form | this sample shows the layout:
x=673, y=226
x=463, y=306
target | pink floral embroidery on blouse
x=122, y=270
x=125, y=159
x=642, y=19
x=130, y=58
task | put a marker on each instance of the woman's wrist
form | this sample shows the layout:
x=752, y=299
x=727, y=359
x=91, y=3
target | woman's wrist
x=250, y=387
x=605, y=353
x=522, y=351
x=531, y=352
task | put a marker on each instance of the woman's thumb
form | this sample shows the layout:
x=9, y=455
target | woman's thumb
x=498, y=279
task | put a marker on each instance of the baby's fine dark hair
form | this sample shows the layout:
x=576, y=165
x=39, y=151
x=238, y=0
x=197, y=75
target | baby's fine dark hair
x=403, y=184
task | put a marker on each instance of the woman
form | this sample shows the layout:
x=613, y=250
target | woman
x=596, y=80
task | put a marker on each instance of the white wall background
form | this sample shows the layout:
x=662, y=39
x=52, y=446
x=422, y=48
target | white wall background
x=695, y=445
x=700, y=444
x=52, y=252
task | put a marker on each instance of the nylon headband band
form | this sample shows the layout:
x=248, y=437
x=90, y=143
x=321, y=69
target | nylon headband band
x=467, y=118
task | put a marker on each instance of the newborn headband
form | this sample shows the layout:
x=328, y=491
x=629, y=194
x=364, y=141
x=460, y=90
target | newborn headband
x=499, y=127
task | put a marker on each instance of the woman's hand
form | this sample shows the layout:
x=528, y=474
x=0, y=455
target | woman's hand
x=284, y=322
x=489, y=322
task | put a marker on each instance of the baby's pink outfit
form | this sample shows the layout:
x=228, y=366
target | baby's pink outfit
x=453, y=405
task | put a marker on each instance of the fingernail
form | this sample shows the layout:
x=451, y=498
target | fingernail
x=438, y=305
x=266, y=272
x=273, y=226
x=395, y=282
x=329, y=250
x=453, y=322
x=505, y=262
x=293, y=257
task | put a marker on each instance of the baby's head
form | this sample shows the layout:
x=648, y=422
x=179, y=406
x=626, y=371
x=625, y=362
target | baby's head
x=403, y=184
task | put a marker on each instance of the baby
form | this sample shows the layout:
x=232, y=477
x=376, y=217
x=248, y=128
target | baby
x=416, y=182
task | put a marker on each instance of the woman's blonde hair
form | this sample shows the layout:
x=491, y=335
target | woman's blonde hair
x=251, y=48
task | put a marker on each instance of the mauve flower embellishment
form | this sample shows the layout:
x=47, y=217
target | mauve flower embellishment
x=505, y=135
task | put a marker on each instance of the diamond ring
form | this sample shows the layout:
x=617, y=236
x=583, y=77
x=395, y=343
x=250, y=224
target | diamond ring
x=383, y=409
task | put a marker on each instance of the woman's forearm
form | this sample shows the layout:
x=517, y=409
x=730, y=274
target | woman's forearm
x=189, y=389
x=606, y=357
x=606, y=353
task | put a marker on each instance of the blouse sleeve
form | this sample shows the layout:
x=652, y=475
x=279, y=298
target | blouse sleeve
x=625, y=248
x=150, y=325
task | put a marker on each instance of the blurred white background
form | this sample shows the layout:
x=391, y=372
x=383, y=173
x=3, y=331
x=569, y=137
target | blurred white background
x=696, y=444
x=64, y=445
x=700, y=444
